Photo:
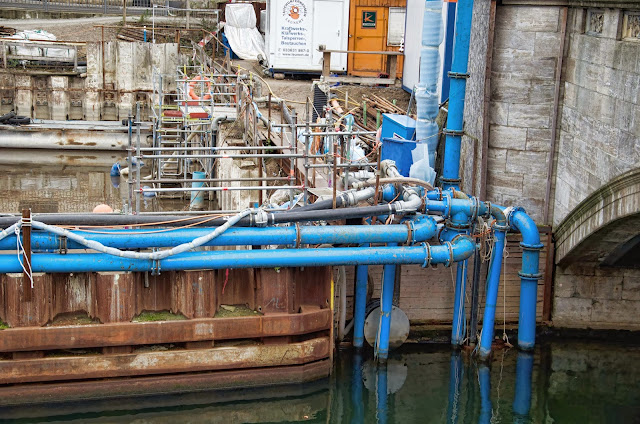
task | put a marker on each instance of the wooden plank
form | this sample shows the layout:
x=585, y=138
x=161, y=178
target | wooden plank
x=386, y=53
x=361, y=80
x=144, y=333
x=326, y=64
x=165, y=362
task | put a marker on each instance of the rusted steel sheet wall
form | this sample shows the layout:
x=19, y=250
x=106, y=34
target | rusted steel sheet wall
x=119, y=297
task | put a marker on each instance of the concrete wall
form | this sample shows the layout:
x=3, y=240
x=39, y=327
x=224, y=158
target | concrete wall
x=599, y=135
x=127, y=79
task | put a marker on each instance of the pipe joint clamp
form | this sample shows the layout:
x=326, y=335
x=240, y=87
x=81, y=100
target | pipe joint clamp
x=411, y=231
x=63, y=248
x=262, y=218
x=427, y=254
x=459, y=133
x=459, y=75
x=499, y=227
x=450, y=260
x=537, y=276
x=534, y=247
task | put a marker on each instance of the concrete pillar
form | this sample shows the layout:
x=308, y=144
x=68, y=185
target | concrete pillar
x=59, y=105
x=24, y=97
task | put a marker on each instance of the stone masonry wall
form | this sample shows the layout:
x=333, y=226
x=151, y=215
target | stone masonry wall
x=589, y=296
x=526, y=46
x=600, y=124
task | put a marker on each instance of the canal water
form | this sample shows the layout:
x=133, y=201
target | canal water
x=560, y=382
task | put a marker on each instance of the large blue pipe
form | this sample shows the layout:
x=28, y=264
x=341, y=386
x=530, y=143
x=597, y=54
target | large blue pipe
x=458, y=74
x=386, y=304
x=422, y=229
x=461, y=248
x=522, y=398
x=493, y=284
x=362, y=276
x=529, y=276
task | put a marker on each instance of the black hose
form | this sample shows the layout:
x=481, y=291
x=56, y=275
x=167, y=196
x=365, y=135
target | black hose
x=296, y=215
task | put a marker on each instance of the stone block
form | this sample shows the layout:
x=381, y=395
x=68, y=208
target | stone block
x=635, y=123
x=606, y=51
x=516, y=40
x=570, y=98
x=589, y=102
x=632, y=88
x=528, y=163
x=607, y=287
x=509, y=90
x=588, y=75
x=507, y=137
x=497, y=159
x=534, y=187
x=538, y=140
x=505, y=182
x=615, y=311
x=579, y=19
x=612, y=83
x=612, y=27
x=542, y=93
x=498, y=113
x=626, y=56
x=547, y=44
x=631, y=287
x=572, y=309
x=535, y=18
x=623, y=116
x=607, y=108
x=530, y=116
x=626, y=148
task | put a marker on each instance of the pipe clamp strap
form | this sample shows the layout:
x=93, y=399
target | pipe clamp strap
x=155, y=267
x=450, y=260
x=536, y=276
x=427, y=252
x=499, y=227
x=63, y=249
x=298, y=236
x=411, y=232
x=447, y=131
x=527, y=246
x=475, y=211
x=461, y=75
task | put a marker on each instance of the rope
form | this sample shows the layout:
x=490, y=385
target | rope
x=20, y=248
x=505, y=255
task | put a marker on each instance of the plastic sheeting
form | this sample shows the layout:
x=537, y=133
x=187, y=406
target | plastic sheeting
x=38, y=36
x=240, y=29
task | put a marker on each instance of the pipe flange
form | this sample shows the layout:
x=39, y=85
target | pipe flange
x=446, y=199
x=475, y=209
x=458, y=227
x=427, y=254
x=450, y=260
x=534, y=247
x=298, y=236
x=499, y=227
x=536, y=276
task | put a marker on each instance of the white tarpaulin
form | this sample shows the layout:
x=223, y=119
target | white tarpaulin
x=36, y=36
x=244, y=38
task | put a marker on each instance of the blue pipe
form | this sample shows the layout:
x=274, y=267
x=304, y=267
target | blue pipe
x=386, y=304
x=486, y=408
x=458, y=74
x=462, y=248
x=529, y=276
x=522, y=398
x=424, y=228
x=493, y=283
x=381, y=394
x=362, y=275
x=455, y=381
x=448, y=49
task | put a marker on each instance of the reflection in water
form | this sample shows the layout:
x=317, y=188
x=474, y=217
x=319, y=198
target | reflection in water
x=566, y=382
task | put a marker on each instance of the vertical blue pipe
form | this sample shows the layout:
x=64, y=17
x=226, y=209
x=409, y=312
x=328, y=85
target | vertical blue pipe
x=381, y=394
x=455, y=382
x=362, y=274
x=356, y=389
x=522, y=398
x=493, y=283
x=529, y=276
x=448, y=49
x=484, y=378
x=386, y=304
x=457, y=329
x=451, y=168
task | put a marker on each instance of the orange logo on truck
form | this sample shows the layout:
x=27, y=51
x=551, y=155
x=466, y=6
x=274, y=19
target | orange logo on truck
x=294, y=12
